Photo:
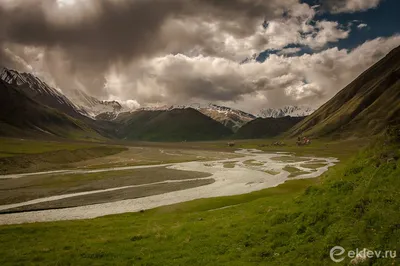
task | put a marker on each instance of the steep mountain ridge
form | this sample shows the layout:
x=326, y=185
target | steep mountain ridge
x=20, y=115
x=229, y=117
x=93, y=106
x=365, y=107
x=40, y=91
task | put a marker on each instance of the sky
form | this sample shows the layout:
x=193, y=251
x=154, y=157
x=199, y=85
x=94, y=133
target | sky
x=246, y=54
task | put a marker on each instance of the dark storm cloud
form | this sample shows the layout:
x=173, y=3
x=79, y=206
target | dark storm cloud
x=82, y=41
x=180, y=51
x=120, y=30
x=115, y=31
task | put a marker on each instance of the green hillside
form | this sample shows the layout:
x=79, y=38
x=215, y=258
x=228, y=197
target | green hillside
x=266, y=127
x=22, y=116
x=365, y=107
x=173, y=125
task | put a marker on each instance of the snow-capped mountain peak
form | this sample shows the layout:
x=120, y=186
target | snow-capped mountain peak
x=93, y=106
x=226, y=110
x=74, y=103
x=229, y=117
x=39, y=90
x=293, y=111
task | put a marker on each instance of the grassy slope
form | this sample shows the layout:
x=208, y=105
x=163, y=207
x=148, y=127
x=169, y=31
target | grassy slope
x=354, y=205
x=14, y=147
x=18, y=155
x=266, y=127
x=365, y=107
x=174, y=125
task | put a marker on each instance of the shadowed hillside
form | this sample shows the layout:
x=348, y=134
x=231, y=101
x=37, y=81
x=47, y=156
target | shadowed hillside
x=365, y=107
x=173, y=125
x=267, y=127
x=22, y=116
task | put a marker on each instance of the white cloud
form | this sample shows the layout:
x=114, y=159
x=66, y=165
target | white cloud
x=350, y=6
x=325, y=32
x=193, y=57
x=298, y=27
x=280, y=80
x=362, y=25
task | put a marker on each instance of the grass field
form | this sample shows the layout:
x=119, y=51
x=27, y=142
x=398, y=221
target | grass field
x=15, y=147
x=342, y=149
x=355, y=204
x=25, y=155
x=135, y=156
x=295, y=223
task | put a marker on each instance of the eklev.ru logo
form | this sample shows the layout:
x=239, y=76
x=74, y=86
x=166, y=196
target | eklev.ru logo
x=338, y=254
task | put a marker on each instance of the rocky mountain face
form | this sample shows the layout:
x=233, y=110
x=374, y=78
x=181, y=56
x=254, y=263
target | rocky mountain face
x=21, y=115
x=229, y=117
x=40, y=91
x=94, y=107
x=292, y=111
x=74, y=103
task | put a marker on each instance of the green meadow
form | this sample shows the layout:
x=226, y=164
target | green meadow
x=355, y=205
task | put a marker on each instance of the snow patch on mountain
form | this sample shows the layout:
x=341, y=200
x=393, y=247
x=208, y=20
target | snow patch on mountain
x=93, y=106
x=293, y=111
x=230, y=117
x=72, y=103
x=78, y=102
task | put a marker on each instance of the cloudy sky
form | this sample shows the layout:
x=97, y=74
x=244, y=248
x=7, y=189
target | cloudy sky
x=248, y=54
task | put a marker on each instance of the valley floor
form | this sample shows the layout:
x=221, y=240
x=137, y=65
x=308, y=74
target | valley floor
x=353, y=205
x=134, y=188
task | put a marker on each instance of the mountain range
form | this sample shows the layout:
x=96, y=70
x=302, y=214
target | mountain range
x=30, y=107
x=292, y=111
